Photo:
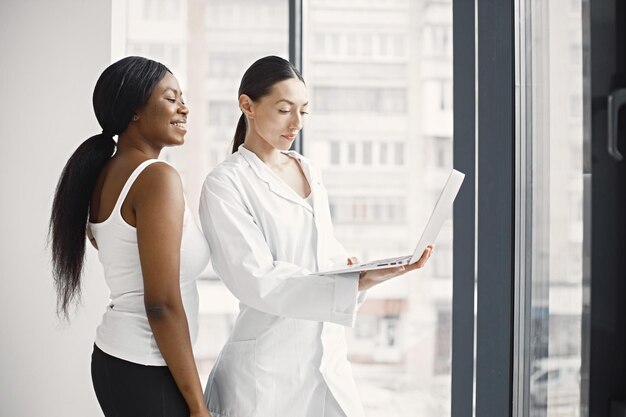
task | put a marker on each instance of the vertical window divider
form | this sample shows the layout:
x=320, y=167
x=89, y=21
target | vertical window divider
x=497, y=196
x=523, y=212
x=464, y=217
x=296, y=19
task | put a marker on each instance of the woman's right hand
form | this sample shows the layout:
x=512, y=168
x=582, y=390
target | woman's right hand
x=368, y=279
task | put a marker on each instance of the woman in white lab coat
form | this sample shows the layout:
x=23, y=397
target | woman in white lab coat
x=265, y=213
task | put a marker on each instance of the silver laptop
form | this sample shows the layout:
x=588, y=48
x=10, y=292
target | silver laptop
x=441, y=212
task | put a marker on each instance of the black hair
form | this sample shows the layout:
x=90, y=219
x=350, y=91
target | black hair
x=122, y=88
x=257, y=82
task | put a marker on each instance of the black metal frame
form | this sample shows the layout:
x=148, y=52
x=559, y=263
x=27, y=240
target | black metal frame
x=464, y=231
x=295, y=52
x=484, y=216
x=496, y=213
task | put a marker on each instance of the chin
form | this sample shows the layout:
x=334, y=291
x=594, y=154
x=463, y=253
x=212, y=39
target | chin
x=177, y=141
x=283, y=146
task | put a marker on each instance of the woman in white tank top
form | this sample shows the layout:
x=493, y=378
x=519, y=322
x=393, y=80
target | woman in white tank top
x=132, y=208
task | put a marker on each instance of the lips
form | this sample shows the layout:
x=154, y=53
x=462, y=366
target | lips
x=180, y=125
x=290, y=137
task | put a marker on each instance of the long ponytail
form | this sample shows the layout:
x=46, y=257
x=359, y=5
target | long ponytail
x=70, y=212
x=122, y=88
x=258, y=81
x=240, y=132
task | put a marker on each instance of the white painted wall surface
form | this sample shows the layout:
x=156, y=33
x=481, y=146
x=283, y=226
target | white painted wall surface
x=51, y=54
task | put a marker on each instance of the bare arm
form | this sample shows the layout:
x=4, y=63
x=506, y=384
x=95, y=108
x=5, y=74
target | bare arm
x=159, y=208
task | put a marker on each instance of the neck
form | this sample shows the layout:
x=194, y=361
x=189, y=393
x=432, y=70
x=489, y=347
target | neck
x=270, y=155
x=129, y=143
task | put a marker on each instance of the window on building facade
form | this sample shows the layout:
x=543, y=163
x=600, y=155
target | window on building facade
x=370, y=99
x=172, y=54
x=158, y=10
x=335, y=153
x=383, y=153
x=443, y=350
x=352, y=153
x=440, y=157
x=399, y=153
x=367, y=153
x=222, y=113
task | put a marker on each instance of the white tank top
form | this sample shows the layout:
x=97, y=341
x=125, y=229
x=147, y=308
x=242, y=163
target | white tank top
x=124, y=331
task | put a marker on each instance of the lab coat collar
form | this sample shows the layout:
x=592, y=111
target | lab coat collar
x=274, y=182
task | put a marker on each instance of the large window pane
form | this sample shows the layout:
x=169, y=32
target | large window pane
x=556, y=129
x=208, y=44
x=379, y=75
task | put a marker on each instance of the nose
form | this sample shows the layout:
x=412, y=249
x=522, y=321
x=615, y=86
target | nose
x=183, y=109
x=296, y=122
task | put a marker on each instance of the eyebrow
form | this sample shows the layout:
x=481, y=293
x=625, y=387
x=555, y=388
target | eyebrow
x=291, y=102
x=175, y=91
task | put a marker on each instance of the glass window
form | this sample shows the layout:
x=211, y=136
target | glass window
x=556, y=226
x=223, y=113
x=367, y=44
x=399, y=153
x=442, y=263
x=575, y=106
x=320, y=43
x=372, y=209
x=335, y=152
x=443, y=350
x=367, y=153
x=335, y=41
x=351, y=42
x=161, y=9
x=352, y=153
x=364, y=99
x=383, y=44
x=441, y=157
x=383, y=154
x=375, y=173
x=383, y=189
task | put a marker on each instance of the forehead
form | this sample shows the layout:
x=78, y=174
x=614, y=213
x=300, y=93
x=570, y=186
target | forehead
x=168, y=82
x=291, y=89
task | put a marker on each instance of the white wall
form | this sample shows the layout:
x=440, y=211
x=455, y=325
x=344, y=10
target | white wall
x=51, y=53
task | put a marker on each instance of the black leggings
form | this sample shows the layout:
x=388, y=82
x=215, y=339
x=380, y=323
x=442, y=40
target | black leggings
x=127, y=389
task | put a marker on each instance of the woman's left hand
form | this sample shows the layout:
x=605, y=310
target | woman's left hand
x=368, y=279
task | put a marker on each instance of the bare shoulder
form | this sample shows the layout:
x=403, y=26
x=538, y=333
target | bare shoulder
x=159, y=181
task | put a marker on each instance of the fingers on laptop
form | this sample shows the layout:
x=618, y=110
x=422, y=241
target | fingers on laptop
x=423, y=259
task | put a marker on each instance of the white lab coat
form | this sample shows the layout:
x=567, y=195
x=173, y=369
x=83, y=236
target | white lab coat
x=286, y=356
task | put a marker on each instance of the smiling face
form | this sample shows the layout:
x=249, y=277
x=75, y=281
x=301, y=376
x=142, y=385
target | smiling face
x=277, y=117
x=162, y=120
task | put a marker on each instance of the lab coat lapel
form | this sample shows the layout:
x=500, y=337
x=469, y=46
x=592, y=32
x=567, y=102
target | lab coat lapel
x=321, y=214
x=274, y=183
